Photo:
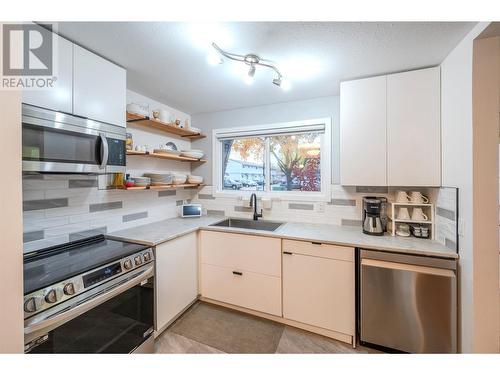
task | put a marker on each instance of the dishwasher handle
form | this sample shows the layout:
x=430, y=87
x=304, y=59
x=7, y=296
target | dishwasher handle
x=407, y=267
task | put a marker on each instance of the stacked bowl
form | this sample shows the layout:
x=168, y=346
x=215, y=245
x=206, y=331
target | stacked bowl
x=160, y=178
x=195, y=154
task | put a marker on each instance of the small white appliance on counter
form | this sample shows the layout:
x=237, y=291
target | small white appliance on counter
x=191, y=210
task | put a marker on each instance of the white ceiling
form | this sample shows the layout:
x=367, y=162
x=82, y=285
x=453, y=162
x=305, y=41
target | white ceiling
x=167, y=60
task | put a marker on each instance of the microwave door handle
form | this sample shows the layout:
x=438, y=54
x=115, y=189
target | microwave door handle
x=104, y=151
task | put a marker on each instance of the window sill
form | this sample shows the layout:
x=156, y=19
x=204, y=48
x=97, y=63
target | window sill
x=276, y=196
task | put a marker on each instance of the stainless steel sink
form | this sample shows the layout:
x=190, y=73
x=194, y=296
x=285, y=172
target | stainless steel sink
x=270, y=226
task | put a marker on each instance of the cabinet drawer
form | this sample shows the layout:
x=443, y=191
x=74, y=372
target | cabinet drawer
x=319, y=250
x=248, y=289
x=242, y=252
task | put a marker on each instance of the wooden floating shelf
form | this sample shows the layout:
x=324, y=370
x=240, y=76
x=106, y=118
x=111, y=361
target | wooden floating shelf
x=145, y=121
x=158, y=187
x=165, y=156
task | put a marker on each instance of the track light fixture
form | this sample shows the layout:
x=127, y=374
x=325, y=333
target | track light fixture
x=253, y=60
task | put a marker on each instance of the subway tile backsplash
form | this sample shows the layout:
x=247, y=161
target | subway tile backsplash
x=61, y=208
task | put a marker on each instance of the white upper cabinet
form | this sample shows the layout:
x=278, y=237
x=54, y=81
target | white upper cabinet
x=99, y=91
x=413, y=128
x=363, y=132
x=60, y=96
x=390, y=130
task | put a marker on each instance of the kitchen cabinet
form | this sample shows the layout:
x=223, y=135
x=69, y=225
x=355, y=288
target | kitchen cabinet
x=242, y=270
x=363, y=132
x=319, y=285
x=176, y=277
x=99, y=88
x=60, y=96
x=413, y=128
x=390, y=130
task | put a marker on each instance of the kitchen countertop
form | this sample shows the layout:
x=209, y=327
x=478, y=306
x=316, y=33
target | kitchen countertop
x=156, y=233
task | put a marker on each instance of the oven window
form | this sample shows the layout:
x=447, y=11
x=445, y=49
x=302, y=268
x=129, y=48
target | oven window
x=116, y=326
x=56, y=145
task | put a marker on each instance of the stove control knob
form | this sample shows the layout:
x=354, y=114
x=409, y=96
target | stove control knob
x=127, y=264
x=147, y=257
x=138, y=260
x=54, y=295
x=69, y=289
x=32, y=304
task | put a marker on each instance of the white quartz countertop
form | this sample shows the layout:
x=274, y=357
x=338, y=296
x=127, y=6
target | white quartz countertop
x=156, y=233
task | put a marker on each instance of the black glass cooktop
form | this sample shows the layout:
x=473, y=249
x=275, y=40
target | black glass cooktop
x=49, y=266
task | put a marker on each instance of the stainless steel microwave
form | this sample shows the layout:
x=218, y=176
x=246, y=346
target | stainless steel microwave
x=56, y=142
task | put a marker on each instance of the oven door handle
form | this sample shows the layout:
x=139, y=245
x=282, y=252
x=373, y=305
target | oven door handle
x=104, y=151
x=74, y=311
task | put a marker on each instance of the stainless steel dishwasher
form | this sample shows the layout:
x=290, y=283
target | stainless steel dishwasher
x=407, y=303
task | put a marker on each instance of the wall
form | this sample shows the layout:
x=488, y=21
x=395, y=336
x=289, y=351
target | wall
x=485, y=90
x=457, y=168
x=345, y=205
x=11, y=266
x=59, y=208
x=266, y=114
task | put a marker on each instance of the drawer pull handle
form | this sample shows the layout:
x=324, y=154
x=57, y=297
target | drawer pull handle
x=316, y=243
x=287, y=253
x=238, y=273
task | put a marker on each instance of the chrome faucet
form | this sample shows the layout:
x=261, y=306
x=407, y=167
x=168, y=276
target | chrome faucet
x=253, y=203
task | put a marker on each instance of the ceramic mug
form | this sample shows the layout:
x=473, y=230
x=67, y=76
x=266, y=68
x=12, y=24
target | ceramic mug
x=403, y=214
x=165, y=116
x=418, y=214
x=418, y=197
x=402, y=197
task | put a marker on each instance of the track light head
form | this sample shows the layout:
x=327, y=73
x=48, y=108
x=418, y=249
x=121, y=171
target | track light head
x=251, y=71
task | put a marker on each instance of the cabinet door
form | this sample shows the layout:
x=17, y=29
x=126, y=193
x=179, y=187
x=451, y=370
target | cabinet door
x=363, y=132
x=99, y=88
x=60, y=96
x=319, y=292
x=413, y=128
x=176, y=277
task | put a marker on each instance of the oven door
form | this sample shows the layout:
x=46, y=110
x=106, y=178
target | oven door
x=106, y=319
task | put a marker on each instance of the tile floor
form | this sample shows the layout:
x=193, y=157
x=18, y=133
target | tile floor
x=181, y=338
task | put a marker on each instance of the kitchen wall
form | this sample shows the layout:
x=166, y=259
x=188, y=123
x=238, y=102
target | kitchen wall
x=59, y=208
x=267, y=114
x=345, y=205
x=457, y=170
x=11, y=266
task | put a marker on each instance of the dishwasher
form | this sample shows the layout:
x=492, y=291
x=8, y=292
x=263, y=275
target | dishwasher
x=407, y=303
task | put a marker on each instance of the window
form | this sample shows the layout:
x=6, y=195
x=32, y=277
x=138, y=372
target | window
x=287, y=160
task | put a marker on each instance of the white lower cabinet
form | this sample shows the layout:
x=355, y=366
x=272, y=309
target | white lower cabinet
x=176, y=277
x=242, y=288
x=241, y=270
x=319, y=285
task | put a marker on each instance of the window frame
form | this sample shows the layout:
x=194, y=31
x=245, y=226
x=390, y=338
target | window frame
x=268, y=130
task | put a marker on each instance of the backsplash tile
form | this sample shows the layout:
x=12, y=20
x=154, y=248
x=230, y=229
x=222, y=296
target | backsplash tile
x=105, y=206
x=44, y=204
x=354, y=223
x=60, y=208
x=33, y=236
x=205, y=196
x=166, y=193
x=135, y=216
x=443, y=212
x=216, y=212
x=73, y=184
x=343, y=202
x=300, y=206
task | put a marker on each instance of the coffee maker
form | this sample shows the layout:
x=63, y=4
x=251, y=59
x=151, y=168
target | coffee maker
x=374, y=215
